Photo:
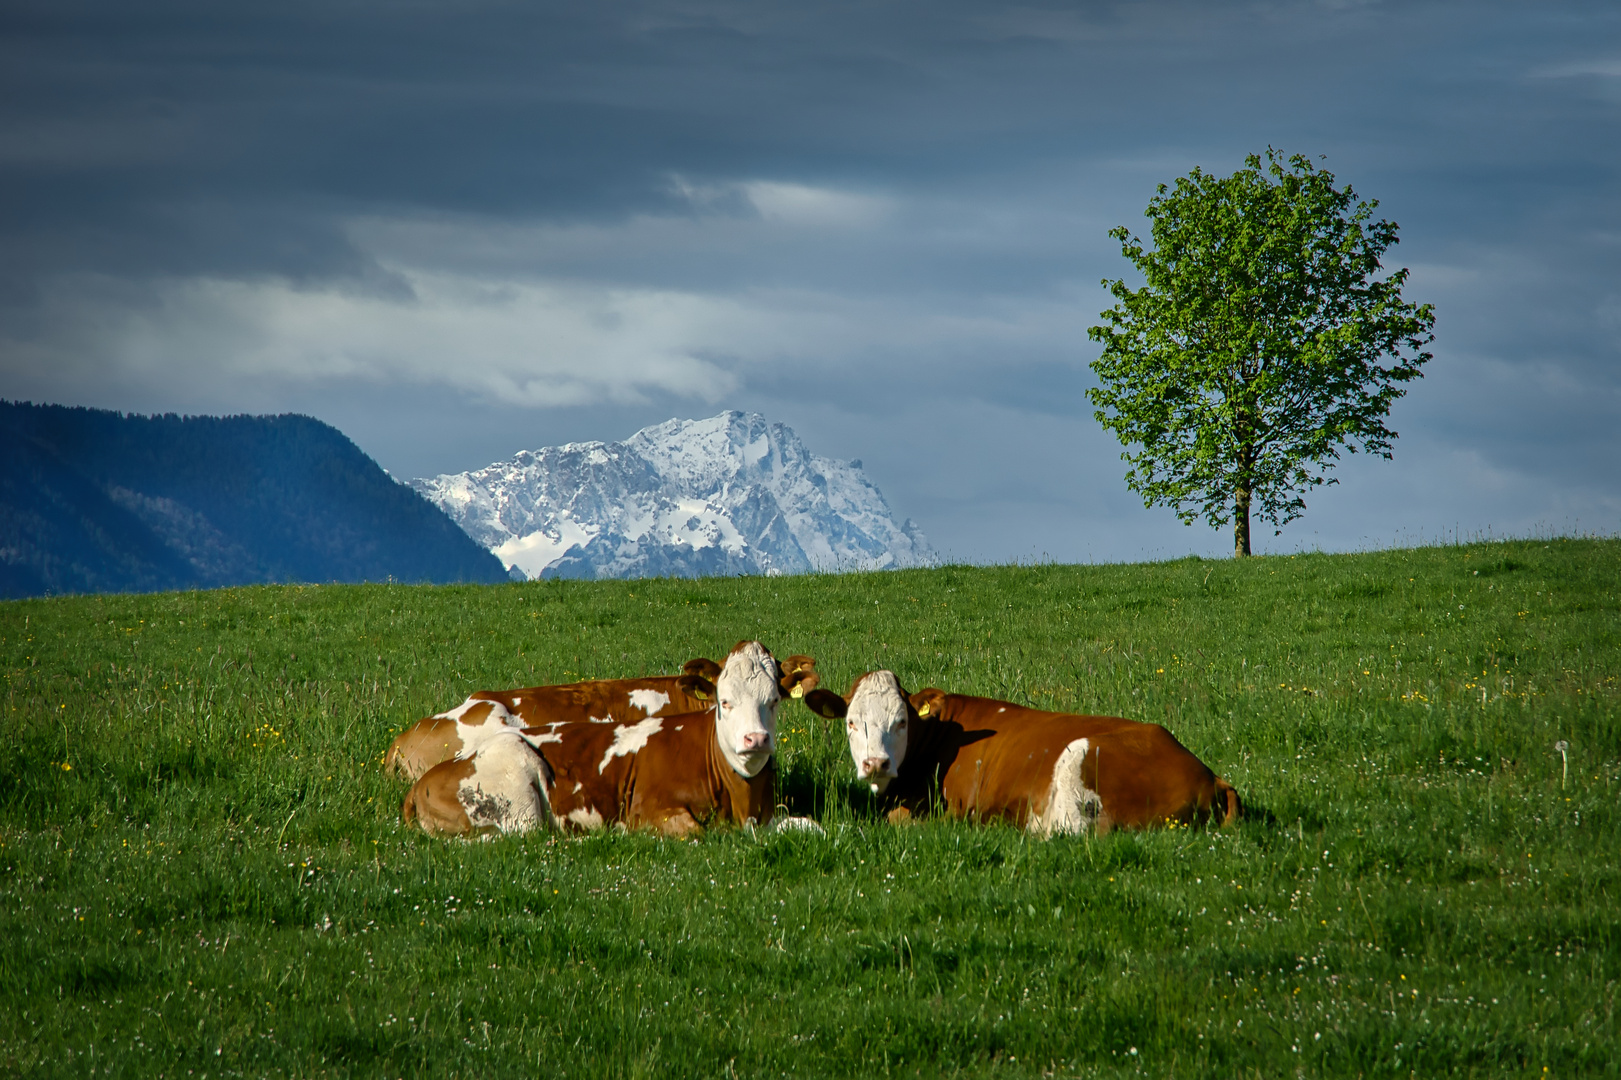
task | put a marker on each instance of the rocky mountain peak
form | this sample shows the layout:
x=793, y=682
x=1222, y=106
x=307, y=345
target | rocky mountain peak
x=731, y=494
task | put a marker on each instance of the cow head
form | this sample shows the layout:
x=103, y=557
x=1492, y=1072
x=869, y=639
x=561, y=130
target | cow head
x=877, y=718
x=796, y=675
x=746, y=693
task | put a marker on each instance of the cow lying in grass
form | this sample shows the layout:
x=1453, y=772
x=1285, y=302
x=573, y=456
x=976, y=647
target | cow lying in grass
x=673, y=774
x=1047, y=772
x=456, y=732
x=499, y=788
x=679, y=774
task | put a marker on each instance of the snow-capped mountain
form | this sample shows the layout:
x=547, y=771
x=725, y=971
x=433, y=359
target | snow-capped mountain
x=733, y=494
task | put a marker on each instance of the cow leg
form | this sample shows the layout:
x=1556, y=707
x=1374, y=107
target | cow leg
x=437, y=811
x=1229, y=807
x=680, y=825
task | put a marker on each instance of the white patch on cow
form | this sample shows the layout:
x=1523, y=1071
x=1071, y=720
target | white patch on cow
x=876, y=725
x=1072, y=807
x=548, y=733
x=475, y=727
x=577, y=786
x=1002, y=709
x=746, y=697
x=516, y=702
x=680, y=727
x=649, y=701
x=630, y=738
x=586, y=819
x=506, y=791
x=600, y=719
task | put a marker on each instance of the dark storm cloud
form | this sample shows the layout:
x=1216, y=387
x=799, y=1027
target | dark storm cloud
x=584, y=217
x=584, y=109
x=130, y=119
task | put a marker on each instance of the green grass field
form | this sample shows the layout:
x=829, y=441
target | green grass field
x=202, y=871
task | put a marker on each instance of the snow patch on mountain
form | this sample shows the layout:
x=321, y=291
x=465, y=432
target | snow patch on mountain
x=733, y=494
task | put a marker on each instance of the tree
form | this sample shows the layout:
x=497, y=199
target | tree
x=1252, y=354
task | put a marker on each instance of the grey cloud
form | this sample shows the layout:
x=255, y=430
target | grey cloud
x=837, y=213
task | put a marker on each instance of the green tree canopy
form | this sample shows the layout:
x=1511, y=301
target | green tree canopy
x=1262, y=342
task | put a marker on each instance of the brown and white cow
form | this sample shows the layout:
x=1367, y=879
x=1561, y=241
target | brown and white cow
x=498, y=788
x=457, y=732
x=454, y=733
x=1048, y=772
x=681, y=773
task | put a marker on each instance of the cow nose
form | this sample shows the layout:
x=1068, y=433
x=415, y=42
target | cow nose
x=756, y=740
x=875, y=766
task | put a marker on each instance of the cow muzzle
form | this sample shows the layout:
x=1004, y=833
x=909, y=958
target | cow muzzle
x=877, y=772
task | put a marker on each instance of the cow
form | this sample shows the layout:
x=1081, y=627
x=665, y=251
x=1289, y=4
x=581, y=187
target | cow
x=449, y=734
x=498, y=788
x=454, y=733
x=678, y=774
x=1046, y=772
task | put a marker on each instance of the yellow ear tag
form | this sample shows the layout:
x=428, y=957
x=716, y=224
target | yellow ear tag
x=797, y=691
x=923, y=710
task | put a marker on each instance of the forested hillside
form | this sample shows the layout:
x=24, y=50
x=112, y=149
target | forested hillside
x=100, y=501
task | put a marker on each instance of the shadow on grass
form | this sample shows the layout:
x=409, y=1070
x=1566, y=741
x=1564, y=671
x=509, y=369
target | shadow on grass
x=805, y=794
x=1260, y=815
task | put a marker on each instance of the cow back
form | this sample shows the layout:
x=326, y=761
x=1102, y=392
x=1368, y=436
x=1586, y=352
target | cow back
x=599, y=700
x=439, y=738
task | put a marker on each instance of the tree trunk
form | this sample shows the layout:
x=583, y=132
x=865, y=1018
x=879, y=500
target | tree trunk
x=1241, y=522
x=1243, y=477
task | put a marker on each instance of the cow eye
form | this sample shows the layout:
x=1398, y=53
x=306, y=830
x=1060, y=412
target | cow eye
x=901, y=726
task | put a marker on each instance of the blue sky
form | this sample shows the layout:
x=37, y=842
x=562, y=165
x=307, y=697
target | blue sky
x=460, y=230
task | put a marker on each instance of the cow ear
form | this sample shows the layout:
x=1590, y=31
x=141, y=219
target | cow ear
x=702, y=667
x=798, y=676
x=827, y=704
x=930, y=702
x=697, y=686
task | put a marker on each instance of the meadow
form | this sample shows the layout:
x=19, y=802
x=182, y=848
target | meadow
x=202, y=871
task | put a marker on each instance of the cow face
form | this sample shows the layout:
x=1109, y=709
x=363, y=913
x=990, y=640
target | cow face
x=876, y=720
x=746, y=696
